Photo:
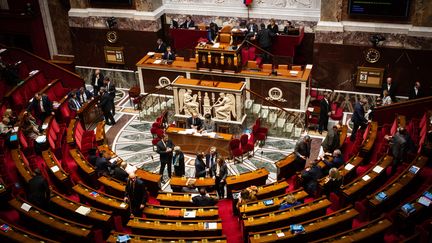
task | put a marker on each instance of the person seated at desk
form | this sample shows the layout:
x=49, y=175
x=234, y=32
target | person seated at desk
x=194, y=122
x=168, y=54
x=28, y=125
x=84, y=95
x=190, y=187
x=120, y=173
x=92, y=157
x=189, y=23
x=212, y=33
x=289, y=201
x=252, y=28
x=73, y=102
x=102, y=164
x=273, y=27
x=333, y=181
x=161, y=47
x=331, y=141
x=208, y=125
x=336, y=162
x=203, y=200
x=4, y=127
x=11, y=118
x=310, y=177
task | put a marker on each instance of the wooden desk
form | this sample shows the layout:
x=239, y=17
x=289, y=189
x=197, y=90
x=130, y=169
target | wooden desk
x=17, y=234
x=112, y=186
x=172, y=212
x=343, y=135
x=397, y=186
x=371, y=232
x=288, y=216
x=65, y=228
x=286, y=167
x=100, y=133
x=70, y=132
x=158, y=227
x=82, y=163
x=192, y=144
x=109, y=152
x=221, y=58
x=178, y=198
x=359, y=186
x=420, y=210
x=258, y=207
x=237, y=182
x=370, y=139
x=102, y=200
x=347, y=171
x=152, y=180
x=55, y=166
x=314, y=228
x=22, y=164
x=90, y=114
x=273, y=189
x=141, y=238
x=178, y=182
x=96, y=216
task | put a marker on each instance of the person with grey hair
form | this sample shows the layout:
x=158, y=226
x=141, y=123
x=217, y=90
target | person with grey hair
x=208, y=125
x=336, y=160
x=333, y=182
x=135, y=195
x=178, y=161
x=302, y=152
x=120, y=173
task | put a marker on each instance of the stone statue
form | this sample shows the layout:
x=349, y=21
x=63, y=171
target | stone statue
x=224, y=106
x=188, y=102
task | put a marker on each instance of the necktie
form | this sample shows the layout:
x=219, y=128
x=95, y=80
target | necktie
x=41, y=106
x=78, y=106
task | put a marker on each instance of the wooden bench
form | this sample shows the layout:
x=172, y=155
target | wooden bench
x=17, y=234
x=370, y=139
x=343, y=135
x=420, y=210
x=287, y=216
x=100, y=133
x=286, y=167
x=172, y=212
x=177, y=198
x=70, y=136
x=273, y=189
x=22, y=164
x=237, y=182
x=174, y=228
x=258, y=207
x=371, y=232
x=55, y=166
x=113, y=186
x=315, y=228
x=152, y=180
x=87, y=168
x=66, y=230
x=141, y=238
x=177, y=183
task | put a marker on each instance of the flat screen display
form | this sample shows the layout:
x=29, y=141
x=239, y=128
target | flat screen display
x=387, y=8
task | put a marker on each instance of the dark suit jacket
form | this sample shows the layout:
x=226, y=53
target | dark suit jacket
x=265, y=38
x=254, y=28
x=358, y=115
x=324, y=109
x=223, y=172
x=208, y=159
x=38, y=191
x=137, y=194
x=274, y=29
x=204, y=201
x=331, y=142
x=187, y=25
x=34, y=106
x=392, y=91
x=106, y=103
x=413, y=95
x=102, y=165
x=111, y=89
x=197, y=122
x=161, y=48
x=302, y=148
x=181, y=163
x=87, y=93
x=120, y=174
x=310, y=178
x=335, y=163
x=161, y=150
x=200, y=168
x=168, y=56
x=92, y=159
x=97, y=81
x=72, y=105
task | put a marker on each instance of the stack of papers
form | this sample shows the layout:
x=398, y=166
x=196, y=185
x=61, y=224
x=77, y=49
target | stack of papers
x=33, y=72
x=150, y=53
x=366, y=177
x=190, y=214
x=378, y=169
x=208, y=225
x=41, y=139
x=113, y=160
x=157, y=61
x=294, y=73
x=349, y=166
x=25, y=207
x=55, y=168
x=280, y=234
x=44, y=126
x=216, y=45
x=123, y=205
x=83, y=210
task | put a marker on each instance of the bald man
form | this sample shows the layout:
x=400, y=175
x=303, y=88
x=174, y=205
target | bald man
x=120, y=172
x=135, y=195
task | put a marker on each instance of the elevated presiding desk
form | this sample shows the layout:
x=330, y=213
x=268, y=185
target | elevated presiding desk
x=218, y=56
x=193, y=143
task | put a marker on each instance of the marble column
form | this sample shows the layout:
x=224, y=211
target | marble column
x=331, y=10
x=422, y=13
x=147, y=5
x=79, y=3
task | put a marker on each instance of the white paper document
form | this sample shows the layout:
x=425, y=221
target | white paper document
x=157, y=61
x=25, y=207
x=216, y=45
x=44, y=126
x=280, y=234
x=366, y=177
x=190, y=214
x=208, y=225
x=378, y=169
x=150, y=53
x=123, y=205
x=83, y=210
x=349, y=166
x=41, y=139
x=55, y=168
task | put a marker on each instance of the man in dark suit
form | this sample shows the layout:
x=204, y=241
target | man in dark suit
x=111, y=89
x=38, y=190
x=102, y=164
x=120, y=173
x=203, y=200
x=336, y=161
x=211, y=157
x=178, y=162
x=84, y=95
x=165, y=150
x=73, y=102
x=106, y=107
x=391, y=88
x=325, y=112
x=264, y=39
x=168, y=55
x=200, y=166
x=310, y=177
x=161, y=47
x=97, y=81
x=92, y=157
x=219, y=171
x=41, y=107
x=416, y=91
x=189, y=23
x=135, y=195
x=358, y=118
x=331, y=141
x=194, y=122
x=252, y=28
x=302, y=152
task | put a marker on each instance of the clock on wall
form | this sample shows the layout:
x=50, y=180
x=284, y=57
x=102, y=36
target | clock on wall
x=112, y=36
x=372, y=55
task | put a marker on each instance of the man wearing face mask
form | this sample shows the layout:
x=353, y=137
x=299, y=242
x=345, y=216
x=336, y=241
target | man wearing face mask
x=135, y=195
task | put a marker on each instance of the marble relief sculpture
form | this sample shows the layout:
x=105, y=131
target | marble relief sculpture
x=188, y=102
x=224, y=106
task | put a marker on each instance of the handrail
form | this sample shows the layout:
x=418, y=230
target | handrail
x=265, y=100
x=156, y=90
x=410, y=108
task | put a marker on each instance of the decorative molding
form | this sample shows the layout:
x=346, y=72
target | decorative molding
x=49, y=31
x=118, y=13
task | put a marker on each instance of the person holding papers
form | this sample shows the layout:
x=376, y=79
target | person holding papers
x=219, y=171
x=168, y=55
x=194, y=122
x=178, y=162
x=208, y=125
x=135, y=195
x=165, y=150
x=38, y=190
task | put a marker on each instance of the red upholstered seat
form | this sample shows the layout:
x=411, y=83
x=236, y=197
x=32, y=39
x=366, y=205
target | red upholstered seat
x=235, y=148
x=160, y=133
x=246, y=146
x=154, y=142
x=338, y=112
